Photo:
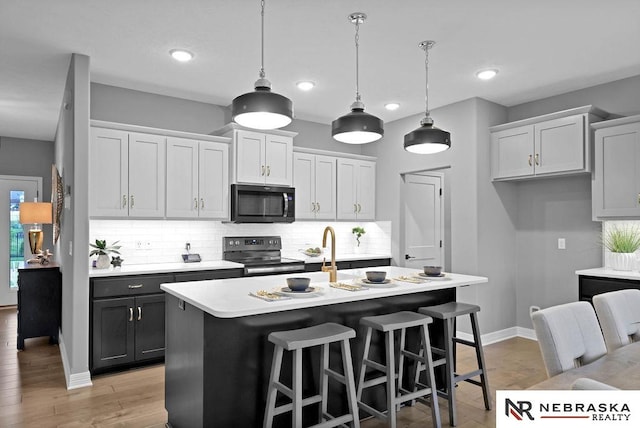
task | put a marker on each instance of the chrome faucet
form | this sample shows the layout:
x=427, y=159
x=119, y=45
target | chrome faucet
x=333, y=270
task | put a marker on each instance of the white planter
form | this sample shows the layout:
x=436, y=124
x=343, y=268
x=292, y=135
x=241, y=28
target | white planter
x=103, y=261
x=622, y=261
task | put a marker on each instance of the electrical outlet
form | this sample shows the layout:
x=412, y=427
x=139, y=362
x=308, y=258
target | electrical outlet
x=562, y=244
x=138, y=245
x=146, y=245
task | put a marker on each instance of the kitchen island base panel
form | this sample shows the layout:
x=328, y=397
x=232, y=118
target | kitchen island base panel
x=217, y=369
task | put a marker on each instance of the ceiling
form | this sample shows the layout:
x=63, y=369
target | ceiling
x=541, y=48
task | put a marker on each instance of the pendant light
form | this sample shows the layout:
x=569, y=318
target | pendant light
x=427, y=139
x=262, y=109
x=357, y=127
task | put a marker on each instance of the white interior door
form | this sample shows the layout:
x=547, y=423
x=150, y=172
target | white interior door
x=13, y=249
x=423, y=221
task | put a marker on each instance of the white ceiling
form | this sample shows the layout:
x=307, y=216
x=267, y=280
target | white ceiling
x=542, y=48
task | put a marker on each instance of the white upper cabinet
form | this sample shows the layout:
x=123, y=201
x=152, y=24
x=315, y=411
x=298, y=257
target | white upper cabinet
x=553, y=144
x=616, y=182
x=315, y=184
x=261, y=158
x=197, y=179
x=356, y=189
x=126, y=174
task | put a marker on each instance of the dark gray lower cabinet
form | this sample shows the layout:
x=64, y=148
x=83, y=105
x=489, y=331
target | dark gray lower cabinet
x=127, y=321
x=589, y=286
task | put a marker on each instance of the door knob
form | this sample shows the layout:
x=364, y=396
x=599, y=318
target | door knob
x=407, y=257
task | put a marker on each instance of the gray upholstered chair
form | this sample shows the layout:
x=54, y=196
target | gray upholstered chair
x=619, y=316
x=568, y=335
x=586, y=384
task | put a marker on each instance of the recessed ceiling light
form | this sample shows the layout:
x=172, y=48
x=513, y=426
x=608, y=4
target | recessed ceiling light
x=487, y=74
x=305, y=85
x=181, y=55
x=392, y=106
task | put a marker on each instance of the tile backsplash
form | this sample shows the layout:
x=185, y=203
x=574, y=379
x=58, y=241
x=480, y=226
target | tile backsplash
x=163, y=241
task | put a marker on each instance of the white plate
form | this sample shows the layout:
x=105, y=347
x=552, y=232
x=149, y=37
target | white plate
x=387, y=283
x=309, y=292
x=441, y=277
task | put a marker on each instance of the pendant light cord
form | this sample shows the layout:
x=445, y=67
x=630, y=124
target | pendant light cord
x=262, y=74
x=357, y=40
x=426, y=67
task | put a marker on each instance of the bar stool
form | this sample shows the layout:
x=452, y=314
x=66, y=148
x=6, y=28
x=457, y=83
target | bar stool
x=297, y=340
x=396, y=394
x=448, y=313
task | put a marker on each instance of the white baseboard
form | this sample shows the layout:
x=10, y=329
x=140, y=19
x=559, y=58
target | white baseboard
x=74, y=380
x=500, y=335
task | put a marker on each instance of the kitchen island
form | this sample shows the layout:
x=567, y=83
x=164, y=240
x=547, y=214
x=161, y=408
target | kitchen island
x=218, y=357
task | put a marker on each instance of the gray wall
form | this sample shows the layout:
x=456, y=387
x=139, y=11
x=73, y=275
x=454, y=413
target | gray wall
x=114, y=104
x=482, y=234
x=32, y=158
x=72, y=159
x=555, y=208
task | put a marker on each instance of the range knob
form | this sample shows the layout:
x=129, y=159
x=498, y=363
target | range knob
x=237, y=242
x=231, y=243
x=270, y=242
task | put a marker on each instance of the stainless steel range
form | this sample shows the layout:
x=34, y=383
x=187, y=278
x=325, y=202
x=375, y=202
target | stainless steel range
x=260, y=255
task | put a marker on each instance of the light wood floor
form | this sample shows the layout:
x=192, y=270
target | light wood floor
x=33, y=392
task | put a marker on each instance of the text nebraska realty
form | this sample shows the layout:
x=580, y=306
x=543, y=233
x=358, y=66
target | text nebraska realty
x=597, y=411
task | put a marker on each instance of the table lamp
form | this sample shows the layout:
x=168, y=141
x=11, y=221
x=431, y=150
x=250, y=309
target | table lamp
x=35, y=214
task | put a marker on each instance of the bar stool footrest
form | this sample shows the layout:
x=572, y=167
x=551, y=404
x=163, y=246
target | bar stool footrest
x=464, y=342
x=333, y=422
x=305, y=402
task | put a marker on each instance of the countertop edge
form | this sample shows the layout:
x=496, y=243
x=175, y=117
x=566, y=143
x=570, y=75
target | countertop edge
x=609, y=273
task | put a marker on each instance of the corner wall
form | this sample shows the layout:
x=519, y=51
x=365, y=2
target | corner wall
x=71, y=158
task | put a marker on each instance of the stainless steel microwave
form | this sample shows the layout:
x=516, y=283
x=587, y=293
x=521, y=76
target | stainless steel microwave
x=262, y=204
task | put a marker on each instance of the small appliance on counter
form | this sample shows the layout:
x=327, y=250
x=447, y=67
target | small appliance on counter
x=260, y=255
x=190, y=258
x=262, y=204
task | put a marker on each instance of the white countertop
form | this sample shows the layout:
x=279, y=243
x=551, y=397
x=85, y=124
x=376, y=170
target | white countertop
x=610, y=273
x=163, y=268
x=139, y=269
x=339, y=257
x=229, y=298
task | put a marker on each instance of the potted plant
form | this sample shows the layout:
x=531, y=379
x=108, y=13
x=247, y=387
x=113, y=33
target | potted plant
x=102, y=250
x=358, y=231
x=622, y=242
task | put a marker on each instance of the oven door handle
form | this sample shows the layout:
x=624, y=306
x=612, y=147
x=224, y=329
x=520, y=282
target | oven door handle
x=272, y=269
x=286, y=204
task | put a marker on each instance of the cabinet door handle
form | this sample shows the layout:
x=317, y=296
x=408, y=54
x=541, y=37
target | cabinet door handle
x=136, y=285
x=130, y=314
x=638, y=198
x=195, y=203
x=139, y=313
x=313, y=206
x=201, y=203
x=124, y=201
x=537, y=159
x=263, y=170
x=268, y=170
x=318, y=205
x=530, y=158
x=132, y=201
x=359, y=208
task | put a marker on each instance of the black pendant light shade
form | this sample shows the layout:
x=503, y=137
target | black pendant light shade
x=427, y=139
x=262, y=109
x=357, y=127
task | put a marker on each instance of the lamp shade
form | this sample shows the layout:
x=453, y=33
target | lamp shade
x=262, y=109
x=35, y=212
x=427, y=139
x=357, y=127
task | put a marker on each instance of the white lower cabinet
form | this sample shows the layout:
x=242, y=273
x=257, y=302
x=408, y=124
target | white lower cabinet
x=616, y=183
x=126, y=174
x=197, y=179
x=314, y=178
x=356, y=189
